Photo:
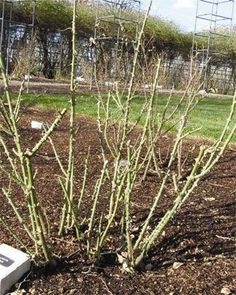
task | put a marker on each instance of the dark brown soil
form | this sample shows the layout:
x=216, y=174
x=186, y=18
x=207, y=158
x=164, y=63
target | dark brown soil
x=196, y=255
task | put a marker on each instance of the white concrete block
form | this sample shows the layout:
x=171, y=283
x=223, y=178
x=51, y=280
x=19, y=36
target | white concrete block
x=13, y=265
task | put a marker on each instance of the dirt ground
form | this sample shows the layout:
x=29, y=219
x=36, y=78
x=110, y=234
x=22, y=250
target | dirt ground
x=197, y=254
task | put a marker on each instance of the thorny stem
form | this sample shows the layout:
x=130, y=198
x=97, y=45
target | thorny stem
x=32, y=152
x=26, y=179
x=164, y=180
x=97, y=191
x=69, y=181
x=117, y=196
x=170, y=213
x=197, y=173
x=82, y=191
x=127, y=199
x=37, y=214
x=133, y=73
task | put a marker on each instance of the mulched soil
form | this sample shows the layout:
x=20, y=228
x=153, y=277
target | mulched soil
x=196, y=254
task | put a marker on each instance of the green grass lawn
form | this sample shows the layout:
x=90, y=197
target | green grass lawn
x=210, y=113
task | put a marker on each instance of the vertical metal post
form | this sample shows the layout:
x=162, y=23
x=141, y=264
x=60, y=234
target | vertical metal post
x=9, y=38
x=2, y=24
x=93, y=50
x=31, y=43
x=232, y=17
x=209, y=39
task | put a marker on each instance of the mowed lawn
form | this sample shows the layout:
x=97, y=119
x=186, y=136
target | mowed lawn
x=210, y=114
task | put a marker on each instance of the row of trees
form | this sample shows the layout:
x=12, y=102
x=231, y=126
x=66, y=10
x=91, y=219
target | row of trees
x=52, y=39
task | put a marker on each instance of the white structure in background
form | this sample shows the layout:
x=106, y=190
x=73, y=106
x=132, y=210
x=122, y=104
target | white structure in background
x=27, y=77
x=79, y=79
x=150, y=86
x=203, y=93
x=109, y=83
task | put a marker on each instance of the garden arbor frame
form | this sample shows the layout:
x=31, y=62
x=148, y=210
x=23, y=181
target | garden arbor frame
x=113, y=14
x=210, y=16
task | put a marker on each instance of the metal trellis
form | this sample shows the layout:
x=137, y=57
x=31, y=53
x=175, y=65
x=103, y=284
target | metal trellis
x=114, y=15
x=213, y=22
